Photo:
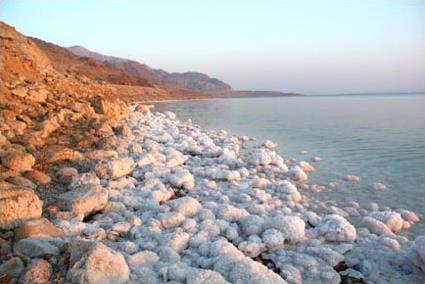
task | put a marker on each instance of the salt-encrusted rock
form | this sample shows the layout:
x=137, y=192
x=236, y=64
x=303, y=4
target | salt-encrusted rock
x=273, y=239
x=13, y=266
x=351, y=178
x=38, y=272
x=95, y=263
x=251, y=248
x=18, y=161
x=39, y=228
x=171, y=219
x=306, y=167
x=252, y=225
x=231, y=213
x=416, y=254
x=144, y=109
x=378, y=186
x=182, y=179
x=205, y=276
x=292, y=227
x=288, y=191
x=114, y=168
x=297, y=174
x=376, y=226
x=237, y=268
x=143, y=258
x=18, y=205
x=391, y=219
x=337, y=228
x=84, y=200
x=265, y=157
x=187, y=206
x=35, y=247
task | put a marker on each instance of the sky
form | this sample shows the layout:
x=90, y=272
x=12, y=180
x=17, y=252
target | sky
x=305, y=46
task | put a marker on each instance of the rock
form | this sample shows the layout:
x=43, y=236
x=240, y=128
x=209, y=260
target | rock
x=40, y=228
x=187, y=206
x=67, y=174
x=21, y=182
x=111, y=106
x=18, y=161
x=37, y=272
x=38, y=177
x=143, y=258
x=35, y=247
x=292, y=227
x=84, y=200
x=14, y=266
x=416, y=254
x=39, y=95
x=18, y=205
x=114, y=168
x=95, y=263
x=336, y=228
x=205, y=276
x=60, y=153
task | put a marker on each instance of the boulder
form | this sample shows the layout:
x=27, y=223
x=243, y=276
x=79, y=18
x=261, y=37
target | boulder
x=84, y=200
x=114, y=168
x=18, y=205
x=18, y=161
x=95, y=263
x=37, y=272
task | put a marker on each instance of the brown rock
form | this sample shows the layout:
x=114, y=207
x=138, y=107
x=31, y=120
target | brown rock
x=39, y=228
x=18, y=161
x=39, y=95
x=58, y=153
x=111, y=106
x=38, y=272
x=145, y=109
x=21, y=182
x=18, y=205
x=38, y=177
x=20, y=92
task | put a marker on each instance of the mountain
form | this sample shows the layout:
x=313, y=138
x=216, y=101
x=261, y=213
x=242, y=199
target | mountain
x=192, y=81
x=67, y=62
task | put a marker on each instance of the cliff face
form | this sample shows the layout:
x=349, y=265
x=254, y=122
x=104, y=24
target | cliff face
x=192, y=81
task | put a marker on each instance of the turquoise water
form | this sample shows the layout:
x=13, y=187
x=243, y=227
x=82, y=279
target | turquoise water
x=380, y=138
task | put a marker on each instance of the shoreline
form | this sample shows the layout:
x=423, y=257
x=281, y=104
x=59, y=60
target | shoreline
x=195, y=202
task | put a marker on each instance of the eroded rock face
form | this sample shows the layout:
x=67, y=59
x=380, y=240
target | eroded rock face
x=84, y=200
x=17, y=206
x=95, y=263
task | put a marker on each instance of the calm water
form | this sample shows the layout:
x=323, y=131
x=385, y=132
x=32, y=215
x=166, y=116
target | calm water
x=380, y=138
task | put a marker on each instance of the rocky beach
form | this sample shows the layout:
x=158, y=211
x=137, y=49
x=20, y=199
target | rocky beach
x=97, y=190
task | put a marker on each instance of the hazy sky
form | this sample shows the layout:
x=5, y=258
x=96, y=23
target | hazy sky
x=314, y=46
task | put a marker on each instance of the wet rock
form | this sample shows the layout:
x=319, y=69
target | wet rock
x=37, y=272
x=95, y=263
x=33, y=247
x=18, y=205
x=84, y=200
x=40, y=228
x=18, y=161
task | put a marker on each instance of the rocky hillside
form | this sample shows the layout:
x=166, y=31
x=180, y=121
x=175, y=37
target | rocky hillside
x=67, y=62
x=192, y=81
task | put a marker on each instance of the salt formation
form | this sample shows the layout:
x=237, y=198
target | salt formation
x=172, y=202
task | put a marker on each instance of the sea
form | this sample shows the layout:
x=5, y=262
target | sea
x=378, y=137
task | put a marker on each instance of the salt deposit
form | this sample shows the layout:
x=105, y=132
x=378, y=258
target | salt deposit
x=183, y=204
